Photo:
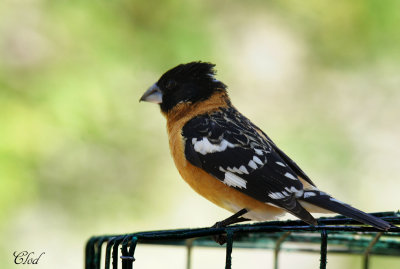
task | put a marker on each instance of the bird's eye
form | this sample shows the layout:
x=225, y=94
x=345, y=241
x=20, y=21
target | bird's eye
x=170, y=84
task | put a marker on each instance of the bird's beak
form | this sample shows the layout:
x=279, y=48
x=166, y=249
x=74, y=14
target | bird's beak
x=153, y=95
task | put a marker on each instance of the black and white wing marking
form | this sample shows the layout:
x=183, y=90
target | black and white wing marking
x=228, y=146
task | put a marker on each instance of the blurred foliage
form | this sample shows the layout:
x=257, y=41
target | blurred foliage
x=347, y=33
x=67, y=80
x=74, y=140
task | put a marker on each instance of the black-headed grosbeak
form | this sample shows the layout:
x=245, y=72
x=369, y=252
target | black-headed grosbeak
x=227, y=159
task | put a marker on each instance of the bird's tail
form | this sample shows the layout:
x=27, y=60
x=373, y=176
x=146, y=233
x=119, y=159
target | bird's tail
x=325, y=201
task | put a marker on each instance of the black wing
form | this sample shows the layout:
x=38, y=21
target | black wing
x=228, y=146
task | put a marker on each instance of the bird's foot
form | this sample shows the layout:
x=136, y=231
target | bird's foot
x=235, y=218
x=219, y=238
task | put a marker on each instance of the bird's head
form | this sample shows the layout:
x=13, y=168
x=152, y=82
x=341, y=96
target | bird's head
x=185, y=83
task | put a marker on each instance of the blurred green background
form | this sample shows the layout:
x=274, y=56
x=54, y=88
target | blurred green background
x=79, y=156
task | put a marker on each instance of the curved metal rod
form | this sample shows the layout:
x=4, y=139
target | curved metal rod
x=369, y=248
x=278, y=247
x=110, y=244
x=115, y=250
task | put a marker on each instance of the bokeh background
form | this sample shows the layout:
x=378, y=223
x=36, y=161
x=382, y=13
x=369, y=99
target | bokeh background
x=79, y=156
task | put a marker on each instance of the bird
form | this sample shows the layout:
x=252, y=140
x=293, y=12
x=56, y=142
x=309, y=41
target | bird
x=230, y=161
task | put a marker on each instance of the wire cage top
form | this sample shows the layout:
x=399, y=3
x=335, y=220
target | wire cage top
x=332, y=235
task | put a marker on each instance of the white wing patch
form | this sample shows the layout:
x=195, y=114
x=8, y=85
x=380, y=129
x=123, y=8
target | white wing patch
x=280, y=163
x=283, y=194
x=297, y=193
x=243, y=169
x=276, y=195
x=234, y=180
x=234, y=170
x=289, y=175
x=204, y=146
x=257, y=160
x=309, y=194
x=252, y=164
x=258, y=151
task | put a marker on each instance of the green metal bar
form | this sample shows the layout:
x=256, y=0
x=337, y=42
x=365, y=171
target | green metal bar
x=108, y=252
x=278, y=248
x=128, y=255
x=369, y=248
x=126, y=259
x=115, y=261
x=90, y=253
x=132, y=247
x=229, y=245
x=324, y=249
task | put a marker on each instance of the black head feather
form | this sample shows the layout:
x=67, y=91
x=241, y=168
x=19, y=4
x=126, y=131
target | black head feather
x=191, y=82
